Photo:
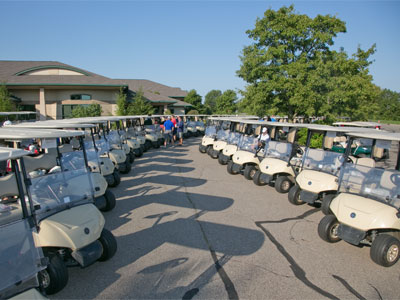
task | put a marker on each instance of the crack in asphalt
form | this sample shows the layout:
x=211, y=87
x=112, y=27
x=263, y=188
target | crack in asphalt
x=348, y=287
x=229, y=286
x=298, y=272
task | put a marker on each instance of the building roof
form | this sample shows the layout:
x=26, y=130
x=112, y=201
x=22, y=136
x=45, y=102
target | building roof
x=14, y=73
x=18, y=73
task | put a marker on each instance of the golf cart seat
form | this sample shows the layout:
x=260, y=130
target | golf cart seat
x=378, y=152
x=328, y=142
x=365, y=161
x=291, y=135
x=10, y=210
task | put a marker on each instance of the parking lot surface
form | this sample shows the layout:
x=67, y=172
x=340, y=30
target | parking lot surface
x=186, y=229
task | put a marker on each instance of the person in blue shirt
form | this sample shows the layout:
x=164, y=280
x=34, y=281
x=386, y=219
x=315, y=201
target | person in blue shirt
x=168, y=127
x=179, y=127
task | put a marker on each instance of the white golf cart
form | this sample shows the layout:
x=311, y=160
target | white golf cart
x=248, y=156
x=72, y=229
x=319, y=170
x=20, y=261
x=210, y=134
x=221, y=138
x=366, y=210
x=281, y=159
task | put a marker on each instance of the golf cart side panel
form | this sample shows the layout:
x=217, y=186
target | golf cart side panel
x=316, y=181
x=73, y=228
x=363, y=213
x=134, y=144
x=151, y=137
x=106, y=166
x=272, y=166
x=245, y=157
x=207, y=141
x=219, y=145
x=99, y=184
x=118, y=156
x=229, y=150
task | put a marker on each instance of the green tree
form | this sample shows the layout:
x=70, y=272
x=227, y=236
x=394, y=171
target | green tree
x=122, y=103
x=210, y=100
x=5, y=99
x=389, y=105
x=91, y=110
x=195, y=99
x=290, y=69
x=226, y=103
x=140, y=105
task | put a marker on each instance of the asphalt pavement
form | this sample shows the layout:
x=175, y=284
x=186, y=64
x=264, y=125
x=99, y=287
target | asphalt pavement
x=186, y=229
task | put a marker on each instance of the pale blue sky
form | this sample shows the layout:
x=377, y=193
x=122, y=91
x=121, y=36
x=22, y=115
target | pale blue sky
x=187, y=44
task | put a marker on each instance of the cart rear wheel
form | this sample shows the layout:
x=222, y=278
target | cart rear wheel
x=326, y=204
x=294, y=195
x=55, y=277
x=229, y=168
x=110, y=200
x=327, y=229
x=109, y=244
x=283, y=184
x=257, y=179
x=385, y=250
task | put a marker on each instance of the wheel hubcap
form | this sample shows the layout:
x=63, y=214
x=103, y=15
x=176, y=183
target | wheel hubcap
x=285, y=185
x=45, y=278
x=334, y=230
x=252, y=172
x=393, y=253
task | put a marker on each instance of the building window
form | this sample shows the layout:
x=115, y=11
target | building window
x=81, y=97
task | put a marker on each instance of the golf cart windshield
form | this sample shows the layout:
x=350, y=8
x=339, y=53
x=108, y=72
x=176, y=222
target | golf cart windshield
x=57, y=191
x=191, y=124
x=19, y=258
x=102, y=145
x=222, y=135
x=75, y=160
x=248, y=143
x=114, y=138
x=374, y=183
x=234, y=138
x=211, y=131
x=278, y=150
x=323, y=161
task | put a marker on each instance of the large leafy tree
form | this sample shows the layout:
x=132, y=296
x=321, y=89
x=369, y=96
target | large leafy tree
x=226, y=103
x=195, y=99
x=140, y=105
x=122, y=103
x=290, y=68
x=5, y=99
x=210, y=100
x=91, y=110
x=389, y=105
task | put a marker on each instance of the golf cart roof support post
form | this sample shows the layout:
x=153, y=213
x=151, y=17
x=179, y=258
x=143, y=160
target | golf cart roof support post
x=346, y=156
x=27, y=183
x=14, y=168
x=308, y=141
x=59, y=155
x=92, y=132
x=398, y=159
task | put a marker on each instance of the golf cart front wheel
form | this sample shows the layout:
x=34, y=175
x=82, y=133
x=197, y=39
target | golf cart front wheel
x=127, y=167
x=202, y=148
x=110, y=200
x=327, y=229
x=229, y=168
x=283, y=184
x=109, y=244
x=249, y=172
x=385, y=250
x=257, y=178
x=117, y=178
x=55, y=277
x=294, y=195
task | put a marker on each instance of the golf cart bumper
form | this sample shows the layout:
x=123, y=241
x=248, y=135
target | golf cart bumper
x=205, y=141
x=106, y=166
x=138, y=151
x=245, y=157
x=266, y=178
x=313, y=183
x=236, y=168
x=351, y=235
x=229, y=150
x=89, y=254
x=308, y=197
x=214, y=153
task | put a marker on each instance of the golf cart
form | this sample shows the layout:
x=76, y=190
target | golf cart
x=246, y=159
x=319, y=170
x=135, y=129
x=132, y=136
x=72, y=229
x=210, y=134
x=221, y=138
x=366, y=209
x=281, y=159
x=20, y=261
x=361, y=124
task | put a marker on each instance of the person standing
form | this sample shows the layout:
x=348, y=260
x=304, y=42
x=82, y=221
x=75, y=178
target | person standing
x=168, y=127
x=173, y=120
x=179, y=129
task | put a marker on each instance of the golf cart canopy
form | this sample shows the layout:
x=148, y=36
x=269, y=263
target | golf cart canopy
x=376, y=135
x=25, y=133
x=11, y=153
x=51, y=125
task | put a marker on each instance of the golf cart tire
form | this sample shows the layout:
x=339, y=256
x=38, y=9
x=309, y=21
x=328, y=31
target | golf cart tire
x=127, y=168
x=283, y=184
x=249, y=172
x=56, y=273
x=109, y=244
x=131, y=157
x=327, y=229
x=110, y=201
x=257, y=179
x=229, y=168
x=202, y=149
x=326, y=204
x=385, y=250
x=221, y=159
x=117, y=178
x=294, y=195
